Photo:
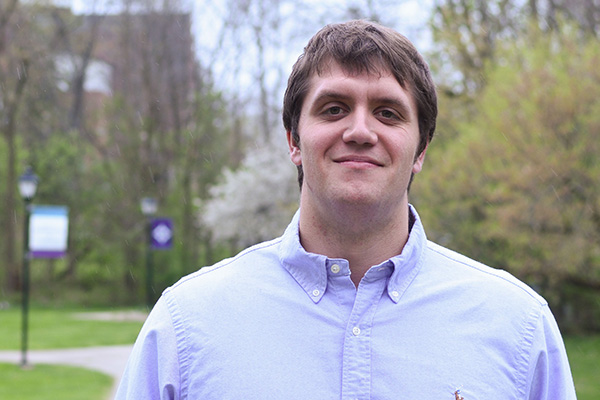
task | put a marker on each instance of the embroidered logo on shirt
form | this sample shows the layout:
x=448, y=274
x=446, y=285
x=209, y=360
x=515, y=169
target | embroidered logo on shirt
x=457, y=395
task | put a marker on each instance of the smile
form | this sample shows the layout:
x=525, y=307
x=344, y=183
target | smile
x=358, y=161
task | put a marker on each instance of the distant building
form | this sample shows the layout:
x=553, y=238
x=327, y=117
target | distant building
x=148, y=60
x=98, y=77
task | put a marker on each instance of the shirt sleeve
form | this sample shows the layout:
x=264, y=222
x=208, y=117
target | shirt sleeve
x=549, y=371
x=152, y=371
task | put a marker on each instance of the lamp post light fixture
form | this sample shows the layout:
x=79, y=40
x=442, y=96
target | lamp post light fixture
x=149, y=206
x=27, y=187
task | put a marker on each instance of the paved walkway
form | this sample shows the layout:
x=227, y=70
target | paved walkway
x=109, y=360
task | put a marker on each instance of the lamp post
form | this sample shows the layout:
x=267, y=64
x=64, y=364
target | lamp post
x=149, y=206
x=27, y=187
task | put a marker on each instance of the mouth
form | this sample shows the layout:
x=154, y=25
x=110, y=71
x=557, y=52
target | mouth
x=358, y=161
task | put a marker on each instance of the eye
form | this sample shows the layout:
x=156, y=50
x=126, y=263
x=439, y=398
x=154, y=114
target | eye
x=335, y=110
x=388, y=114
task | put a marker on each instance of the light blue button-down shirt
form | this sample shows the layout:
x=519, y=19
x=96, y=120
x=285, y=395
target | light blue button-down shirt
x=276, y=322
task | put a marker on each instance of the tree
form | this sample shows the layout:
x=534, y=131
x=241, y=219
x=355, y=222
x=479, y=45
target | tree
x=255, y=202
x=204, y=153
x=20, y=56
x=160, y=130
x=168, y=131
x=518, y=189
x=466, y=33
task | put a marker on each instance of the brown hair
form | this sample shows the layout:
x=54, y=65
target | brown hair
x=362, y=46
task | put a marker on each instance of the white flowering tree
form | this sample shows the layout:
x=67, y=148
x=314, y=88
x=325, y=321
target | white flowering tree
x=255, y=202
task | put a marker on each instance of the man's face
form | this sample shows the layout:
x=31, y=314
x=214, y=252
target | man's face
x=358, y=140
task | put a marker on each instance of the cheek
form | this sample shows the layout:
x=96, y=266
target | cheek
x=403, y=153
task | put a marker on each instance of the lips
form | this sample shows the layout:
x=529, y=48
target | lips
x=358, y=160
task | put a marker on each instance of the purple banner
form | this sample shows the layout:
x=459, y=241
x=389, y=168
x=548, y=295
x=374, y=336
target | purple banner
x=161, y=233
x=47, y=254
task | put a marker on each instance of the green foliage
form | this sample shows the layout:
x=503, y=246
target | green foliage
x=467, y=31
x=518, y=188
x=52, y=382
x=584, y=353
x=469, y=35
x=163, y=132
x=199, y=160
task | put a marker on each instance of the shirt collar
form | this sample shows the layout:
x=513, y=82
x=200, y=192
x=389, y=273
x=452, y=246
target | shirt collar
x=310, y=269
x=408, y=263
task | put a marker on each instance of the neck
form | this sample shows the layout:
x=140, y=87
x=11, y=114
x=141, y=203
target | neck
x=363, y=237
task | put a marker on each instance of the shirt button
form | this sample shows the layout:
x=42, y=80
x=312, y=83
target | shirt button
x=335, y=268
x=356, y=331
x=395, y=293
x=316, y=292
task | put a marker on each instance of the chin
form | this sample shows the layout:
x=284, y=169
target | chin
x=367, y=198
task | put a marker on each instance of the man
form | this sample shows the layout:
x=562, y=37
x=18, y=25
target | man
x=352, y=302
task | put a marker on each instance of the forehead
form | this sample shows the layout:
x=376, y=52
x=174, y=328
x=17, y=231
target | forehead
x=379, y=82
x=367, y=67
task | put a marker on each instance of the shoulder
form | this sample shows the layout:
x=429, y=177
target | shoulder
x=252, y=257
x=479, y=277
x=506, y=316
x=227, y=279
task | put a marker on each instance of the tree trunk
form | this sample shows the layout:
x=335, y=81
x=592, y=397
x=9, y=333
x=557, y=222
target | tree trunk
x=12, y=108
x=12, y=269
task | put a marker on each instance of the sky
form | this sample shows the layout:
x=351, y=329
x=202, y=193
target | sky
x=408, y=16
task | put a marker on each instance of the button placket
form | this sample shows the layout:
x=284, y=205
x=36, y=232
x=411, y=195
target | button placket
x=356, y=374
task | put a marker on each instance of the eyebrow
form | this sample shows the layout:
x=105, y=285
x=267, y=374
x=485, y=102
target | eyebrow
x=330, y=95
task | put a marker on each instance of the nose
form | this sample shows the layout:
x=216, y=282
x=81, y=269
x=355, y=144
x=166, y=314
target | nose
x=360, y=129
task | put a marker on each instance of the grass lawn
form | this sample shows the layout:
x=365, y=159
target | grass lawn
x=46, y=382
x=584, y=356
x=55, y=329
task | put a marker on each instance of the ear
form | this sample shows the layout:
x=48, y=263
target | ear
x=294, y=148
x=419, y=160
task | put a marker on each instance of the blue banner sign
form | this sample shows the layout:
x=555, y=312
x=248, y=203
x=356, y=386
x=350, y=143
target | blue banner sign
x=48, y=231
